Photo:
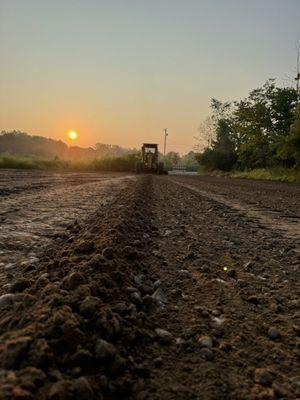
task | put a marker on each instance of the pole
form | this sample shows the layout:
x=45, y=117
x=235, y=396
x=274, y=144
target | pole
x=165, y=142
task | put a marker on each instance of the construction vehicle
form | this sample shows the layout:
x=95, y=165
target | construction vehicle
x=149, y=162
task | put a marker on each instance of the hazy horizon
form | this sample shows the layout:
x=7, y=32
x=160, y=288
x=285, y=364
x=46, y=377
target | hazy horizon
x=121, y=72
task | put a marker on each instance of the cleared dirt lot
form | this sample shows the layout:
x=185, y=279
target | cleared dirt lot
x=156, y=288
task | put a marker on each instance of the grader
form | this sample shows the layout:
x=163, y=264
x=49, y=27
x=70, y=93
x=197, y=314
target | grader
x=149, y=162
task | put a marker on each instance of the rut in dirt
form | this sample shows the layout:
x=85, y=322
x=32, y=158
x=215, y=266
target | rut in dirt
x=161, y=294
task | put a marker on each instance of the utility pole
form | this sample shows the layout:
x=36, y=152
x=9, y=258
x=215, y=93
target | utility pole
x=165, y=142
x=297, y=79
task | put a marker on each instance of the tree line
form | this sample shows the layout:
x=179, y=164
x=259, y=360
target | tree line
x=21, y=144
x=259, y=131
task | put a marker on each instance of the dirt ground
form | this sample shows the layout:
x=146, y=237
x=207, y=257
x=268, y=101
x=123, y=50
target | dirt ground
x=171, y=287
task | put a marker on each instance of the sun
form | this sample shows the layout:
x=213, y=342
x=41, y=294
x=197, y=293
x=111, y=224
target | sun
x=73, y=135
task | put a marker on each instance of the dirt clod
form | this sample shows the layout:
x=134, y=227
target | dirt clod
x=163, y=336
x=263, y=376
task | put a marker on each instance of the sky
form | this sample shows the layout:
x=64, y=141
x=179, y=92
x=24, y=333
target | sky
x=120, y=71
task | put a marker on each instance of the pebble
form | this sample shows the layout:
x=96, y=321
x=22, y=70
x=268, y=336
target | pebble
x=159, y=296
x=207, y=354
x=206, y=341
x=183, y=273
x=157, y=284
x=136, y=298
x=273, y=333
x=33, y=260
x=105, y=350
x=218, y=321
x=138, y=279
x=205, y=314
x=263, y=376
x=163, y=336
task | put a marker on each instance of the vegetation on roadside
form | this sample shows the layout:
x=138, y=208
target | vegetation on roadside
x=125, y=163
x=257, y=137
x=270, y=174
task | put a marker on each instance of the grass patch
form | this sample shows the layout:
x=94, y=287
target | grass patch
x=270, y=174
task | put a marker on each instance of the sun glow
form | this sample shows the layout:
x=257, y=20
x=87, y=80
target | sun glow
x=73, y=135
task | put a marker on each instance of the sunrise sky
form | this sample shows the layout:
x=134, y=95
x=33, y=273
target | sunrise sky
x=120, y=71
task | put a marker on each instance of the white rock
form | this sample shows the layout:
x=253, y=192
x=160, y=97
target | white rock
x=206, y=341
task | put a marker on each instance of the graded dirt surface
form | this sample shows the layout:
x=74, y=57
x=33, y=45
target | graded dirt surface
x=38, y=207
x=159, y=288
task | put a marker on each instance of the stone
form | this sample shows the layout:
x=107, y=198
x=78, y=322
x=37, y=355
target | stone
x=20, y=285
x=273, y=333
x=159, y=296
x=138, y=279
x=205, y=314
x=83, y=389
x=206, y=341
x=263, y=376
x=7, y=300
x=104, y=350
x=163, y=336
x=136, y=298
x=157, y=284
x=183, y=273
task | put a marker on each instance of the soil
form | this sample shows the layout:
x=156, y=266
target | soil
x=157, y=288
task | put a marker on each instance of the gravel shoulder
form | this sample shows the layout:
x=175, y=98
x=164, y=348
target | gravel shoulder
x=160, y=292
